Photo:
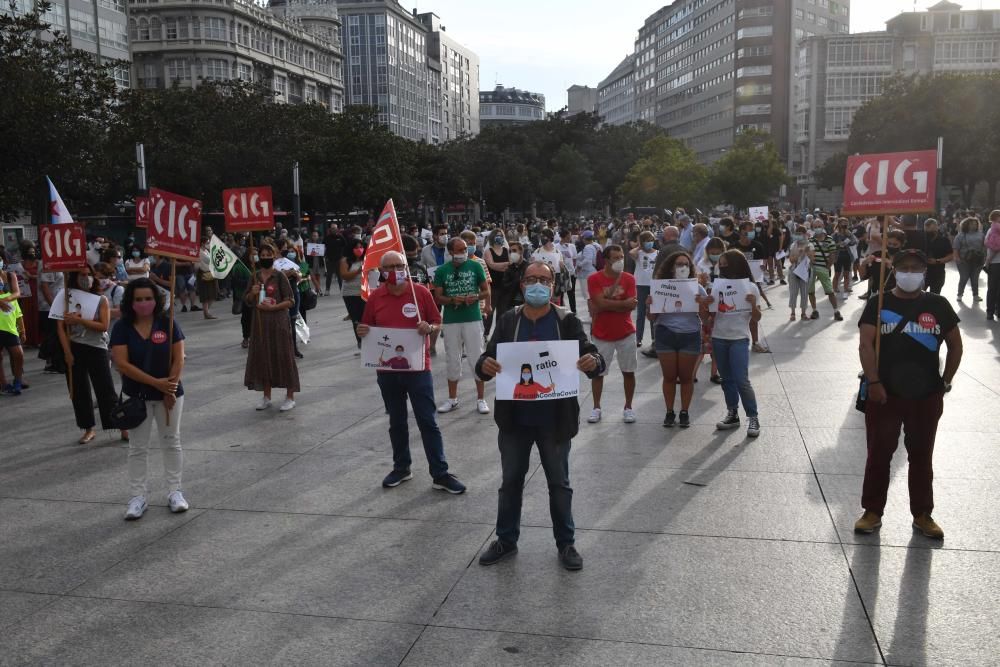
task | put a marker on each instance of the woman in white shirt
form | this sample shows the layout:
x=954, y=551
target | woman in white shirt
x=549, y=254
x=644, y=256
x=137, y=266
x=568, y=249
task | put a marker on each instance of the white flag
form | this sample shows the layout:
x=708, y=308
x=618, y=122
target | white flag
x=221, y=258
x=58, y=213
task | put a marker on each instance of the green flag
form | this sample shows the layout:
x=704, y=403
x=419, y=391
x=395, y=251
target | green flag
x=223, y=259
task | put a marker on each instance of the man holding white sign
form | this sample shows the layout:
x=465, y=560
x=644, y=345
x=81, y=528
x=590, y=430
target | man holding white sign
x=400, y=304
x=549, y=424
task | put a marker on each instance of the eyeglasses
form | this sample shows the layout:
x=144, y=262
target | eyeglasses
x=534, y=280
x=394, y=267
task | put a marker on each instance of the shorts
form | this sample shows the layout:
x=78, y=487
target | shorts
x=667, y=341
x=844, y=263
x=9, y=340
x=459, y=337
x=627, y=350
x=823, y=276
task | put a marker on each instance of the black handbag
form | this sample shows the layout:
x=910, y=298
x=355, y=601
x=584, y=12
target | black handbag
x=307, y=299
x=129, y=412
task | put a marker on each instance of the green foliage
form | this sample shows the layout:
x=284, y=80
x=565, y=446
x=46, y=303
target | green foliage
x=750, y=173
x=830, y=174
x=667, y=175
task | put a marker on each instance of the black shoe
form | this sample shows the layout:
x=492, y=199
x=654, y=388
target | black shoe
x=783, y=282
x=184, y=309
x=731, y=421
x=649, y=352
x=396, y=477
x=497, y=552
x=449, y=483
x=668, y=421
x=837, y=316
x=815, y=315
x=195, y=309
x=685, y=419
x=570, y=558
x=716, y=379
x=298, y=355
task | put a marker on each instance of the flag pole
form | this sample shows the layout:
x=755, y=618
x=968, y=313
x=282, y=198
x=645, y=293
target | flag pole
x=69, y=367
x=170, y=329
x=881, y=290
x=253, y=279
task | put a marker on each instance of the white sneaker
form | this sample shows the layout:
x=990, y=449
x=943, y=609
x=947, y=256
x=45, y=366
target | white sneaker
x=177, y=502
x=287, y=405
x=136, y=508
x=760, y=348
x=628, y=416
x=595, y=416
x=448, y=405
x=483, y=407
x=264, y=404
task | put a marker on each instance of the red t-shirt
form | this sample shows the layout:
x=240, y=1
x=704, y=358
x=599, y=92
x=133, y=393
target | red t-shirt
x=398, y=312
x=610, y=325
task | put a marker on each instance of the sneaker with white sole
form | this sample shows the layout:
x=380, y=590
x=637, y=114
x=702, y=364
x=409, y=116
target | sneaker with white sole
x=287, y=405
x=136, y=508
x=731, y=421
x=760, y=348
x=264, y=404
x=628, y=416
x=177, y=502
x=753, y=427
x=595, y=416
x=448, y=405
x=483, y=407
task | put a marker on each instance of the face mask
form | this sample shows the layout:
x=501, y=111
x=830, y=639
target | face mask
x=537, y=295
x=256, y=259
x=471, y=251
x=144, y=308
x=291, y=256
x=618, y=266
x=714, y=259
x=798, y=238
x=442, y=239
x=751, y=235
x=1, y=265
x=682, y=272
x=526, y=377
x=497, y=240
x=647, y=246
x=105, y=283
x=515, y=257
x=358, y=252
x=267, y=262
x=86, y=282
x=910, y=282
x=459, y=259
x=135, y=254
x=892, y=250
x=394, y=277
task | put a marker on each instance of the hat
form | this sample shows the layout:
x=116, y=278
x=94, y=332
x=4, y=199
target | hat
x=910, y=252
x=587, y=234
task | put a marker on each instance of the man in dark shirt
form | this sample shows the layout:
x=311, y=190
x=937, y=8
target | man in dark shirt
x=939, y=252
x=905, y=388
x=335, y=244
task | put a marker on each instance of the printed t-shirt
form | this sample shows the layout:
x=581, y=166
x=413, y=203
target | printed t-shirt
x=610, y=325
x=388, y=310
x=644, y=263
x=156, y=347
x=460, y=280
x=909, y=361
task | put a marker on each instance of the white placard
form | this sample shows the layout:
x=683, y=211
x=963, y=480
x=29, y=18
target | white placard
x=758, y=213
x=394, y=350
x=549, y=365
x=731, y=296
x=802, y=269
x=781, y=254
x=82, y=303
x=674, y=296
x=315, y=250
x=285, y=264
x=757, y=270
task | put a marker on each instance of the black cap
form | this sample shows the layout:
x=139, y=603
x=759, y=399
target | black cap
x=911, y=252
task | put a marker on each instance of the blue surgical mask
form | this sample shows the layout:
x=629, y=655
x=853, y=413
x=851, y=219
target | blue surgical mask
x=647, y=246
x=1, y=265
x=751, y=235
x=798, y=237
x=526, y=377
x=537, y=295
x=714, y=259
x=291, y=256
x=471, y=250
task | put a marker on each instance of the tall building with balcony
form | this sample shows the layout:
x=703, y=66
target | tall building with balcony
x=459, y=80
x=186, y=42
x=510, y=106
x=581, y=99
x=838, y=74
x=616, y=95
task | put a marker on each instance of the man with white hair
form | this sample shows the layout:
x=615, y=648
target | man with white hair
x=683, y=221
x=398, y=304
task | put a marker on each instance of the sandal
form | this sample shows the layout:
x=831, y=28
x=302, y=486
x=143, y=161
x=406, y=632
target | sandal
x=87, y=437
x=791, y=317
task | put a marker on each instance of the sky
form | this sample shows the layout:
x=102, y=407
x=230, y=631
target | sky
x=546, y=46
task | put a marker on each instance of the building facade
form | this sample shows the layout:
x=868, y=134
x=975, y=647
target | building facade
x=510, y=106
x=837, y=75
x=459, y=80
x=616, y=95
x=185, y=42
x=581, y=99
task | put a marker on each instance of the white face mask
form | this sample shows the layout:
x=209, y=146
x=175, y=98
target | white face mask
x=682, y=272
x=910, y=282
x=86, y=282
x=515, y=257
x=618, y=266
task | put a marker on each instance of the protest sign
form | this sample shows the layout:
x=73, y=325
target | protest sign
x=315, y=250
x=731, y=296
x=674, y=296
x=757, y=270
x=63, y=247
x=248, y=209
x=396, y=350
x=802, y=269
x=174, y=226
x=82, y=303
x=758, y=213
x=538, y=371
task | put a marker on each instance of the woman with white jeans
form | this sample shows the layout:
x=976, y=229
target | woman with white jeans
x=151, y=369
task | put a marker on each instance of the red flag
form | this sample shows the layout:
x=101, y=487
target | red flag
x=385, y=238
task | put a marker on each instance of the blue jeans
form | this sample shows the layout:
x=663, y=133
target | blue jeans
x=642, y=291
x=420, y=389
x=515, y=455
x=733, y=360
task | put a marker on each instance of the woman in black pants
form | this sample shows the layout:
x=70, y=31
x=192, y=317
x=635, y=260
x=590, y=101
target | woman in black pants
x=85, y=346
x=351, y=266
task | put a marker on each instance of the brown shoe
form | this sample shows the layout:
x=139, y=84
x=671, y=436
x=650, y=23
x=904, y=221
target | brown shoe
x=926, y=525
x=868, y=522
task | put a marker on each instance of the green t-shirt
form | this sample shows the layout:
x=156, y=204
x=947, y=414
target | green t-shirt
x=461, y=280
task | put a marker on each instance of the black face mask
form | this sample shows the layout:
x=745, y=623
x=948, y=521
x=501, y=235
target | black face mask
x=266, y=262
x=892, y=251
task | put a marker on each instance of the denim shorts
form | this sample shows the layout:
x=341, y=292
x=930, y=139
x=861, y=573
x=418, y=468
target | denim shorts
x=671, y=341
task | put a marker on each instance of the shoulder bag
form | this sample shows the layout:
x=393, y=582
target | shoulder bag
x=129, y=412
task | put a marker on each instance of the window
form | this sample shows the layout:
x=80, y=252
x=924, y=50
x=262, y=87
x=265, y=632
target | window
x=926, y=22
x=143, y=29
x=244, y=72
x=178, y=70
x=965, y=51
x=756, y=11
x=280, y=86
x=56, y=16
x=756, y=31
x=853, y=87
x=754, y=51
x=838, y=123
x=753, y=110
x=752, y=89
x=170, y=29
x=113, y=34
x=756, y=70
x=82, y=25
x=863, y=54
x=215, y=28
x=122, y=77
x=216, y=70
x=116, y=5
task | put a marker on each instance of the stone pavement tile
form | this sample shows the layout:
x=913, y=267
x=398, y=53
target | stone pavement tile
x=834, y=384
x=15, y=606
x=697, y=592
x=965, y=509
x=101, y=475
x=52, y=547
x=438, y=646
x=659, y=500
x=837, y=357
x=778, y=449
x=827, y=411
x=352, y=486
x=86, y=631
x=843, y=452
x=931, y=606
x=707, y=408
x=367, y=569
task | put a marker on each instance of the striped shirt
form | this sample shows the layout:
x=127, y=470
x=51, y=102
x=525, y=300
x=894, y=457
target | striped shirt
x=826, y=252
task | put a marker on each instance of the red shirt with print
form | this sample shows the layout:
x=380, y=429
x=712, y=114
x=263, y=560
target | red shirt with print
x=612, y=325
x=385, y=309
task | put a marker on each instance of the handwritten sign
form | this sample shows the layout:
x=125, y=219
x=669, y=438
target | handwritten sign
x=731, y=296
x=538, y=371
x=674, y=296
x=393, y=350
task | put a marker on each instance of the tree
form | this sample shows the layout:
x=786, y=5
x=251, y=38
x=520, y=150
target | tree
x=570, y=181
x=667, y=175
x=57, y=104
x=750, y=173
x=830, y=174
x=612, y=151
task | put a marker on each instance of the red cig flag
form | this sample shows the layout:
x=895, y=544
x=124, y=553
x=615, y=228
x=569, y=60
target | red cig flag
x=385, y=238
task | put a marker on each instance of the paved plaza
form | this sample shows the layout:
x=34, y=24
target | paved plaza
x=700, y=548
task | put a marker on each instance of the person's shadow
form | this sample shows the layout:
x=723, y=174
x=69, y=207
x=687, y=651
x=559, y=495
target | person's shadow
x=909, y=634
